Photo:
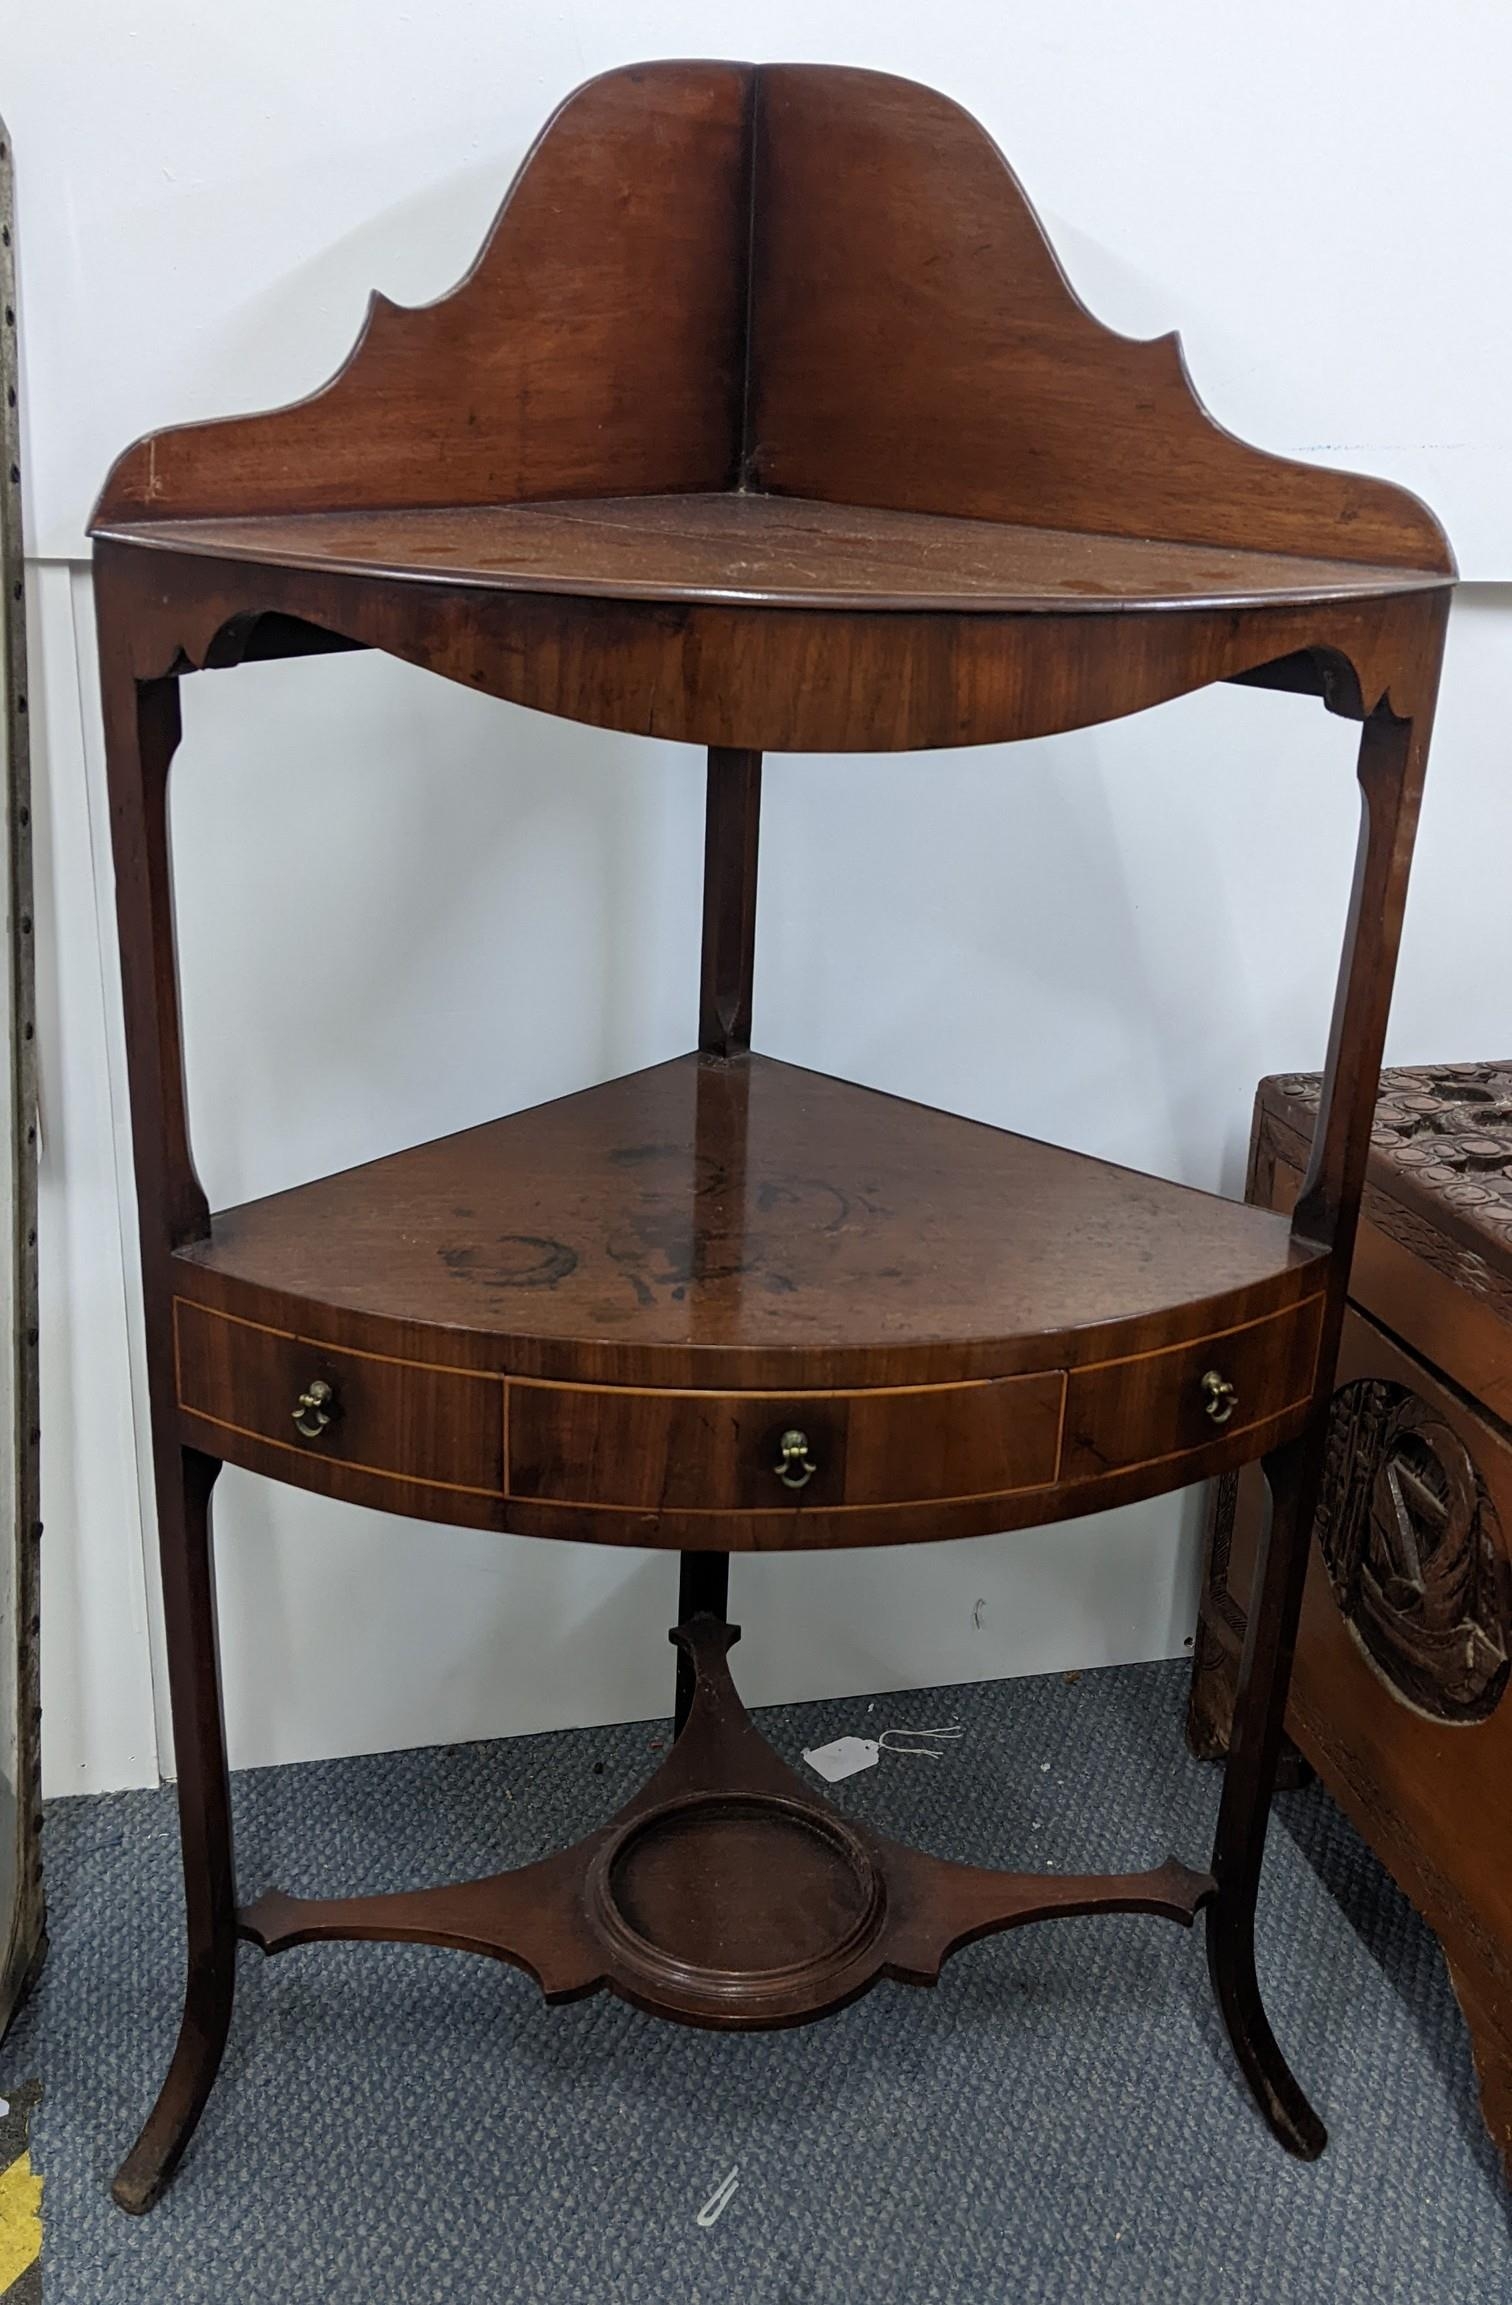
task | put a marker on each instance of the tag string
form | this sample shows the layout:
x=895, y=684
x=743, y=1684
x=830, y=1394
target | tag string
x=890, y=1740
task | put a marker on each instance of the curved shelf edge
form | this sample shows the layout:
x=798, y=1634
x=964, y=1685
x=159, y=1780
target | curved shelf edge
x=694, y=1468
x=773, y=679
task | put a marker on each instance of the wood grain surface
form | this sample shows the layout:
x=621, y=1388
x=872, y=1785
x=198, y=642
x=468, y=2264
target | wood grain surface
x=666, y=1273
x=667, y=1451
x=744, y=1224
x=915, y=343
x=780, y=552
x=440, y=1427
x=801, y=279
x=751, y=676
x=596, y=344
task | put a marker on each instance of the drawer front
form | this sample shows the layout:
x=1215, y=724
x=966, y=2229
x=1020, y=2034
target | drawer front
x=728, y=1452
x=1122, y=1414
x=395, y=1418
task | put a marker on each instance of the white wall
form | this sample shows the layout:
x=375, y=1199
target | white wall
x=1315, y=191
x=404, y=908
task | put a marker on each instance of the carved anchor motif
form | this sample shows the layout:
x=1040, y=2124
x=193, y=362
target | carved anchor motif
x=1414, y=1551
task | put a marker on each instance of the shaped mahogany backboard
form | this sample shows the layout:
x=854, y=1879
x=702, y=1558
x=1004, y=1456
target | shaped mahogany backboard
x=801, y=278
x=916, y=345
x=596, y=346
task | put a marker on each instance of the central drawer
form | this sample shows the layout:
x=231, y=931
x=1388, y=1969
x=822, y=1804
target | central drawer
x=715, y=1452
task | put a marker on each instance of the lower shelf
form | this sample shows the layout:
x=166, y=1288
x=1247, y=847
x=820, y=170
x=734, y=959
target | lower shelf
x=726, y=1893
x=743, y=1307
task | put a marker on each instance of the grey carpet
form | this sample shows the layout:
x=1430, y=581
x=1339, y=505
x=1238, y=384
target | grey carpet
x=1060, y=2121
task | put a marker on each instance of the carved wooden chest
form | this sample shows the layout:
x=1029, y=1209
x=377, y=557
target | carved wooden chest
x=1399, y=1697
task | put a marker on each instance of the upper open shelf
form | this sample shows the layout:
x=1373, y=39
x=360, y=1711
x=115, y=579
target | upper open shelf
x=752, y=298
x=780, y=551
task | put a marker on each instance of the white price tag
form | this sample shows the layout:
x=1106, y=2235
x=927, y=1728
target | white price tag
x=843, y=1758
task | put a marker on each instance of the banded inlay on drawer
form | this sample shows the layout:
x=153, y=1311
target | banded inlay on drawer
x=400, y=1419
x=1125, y=1413
x=753, y=1452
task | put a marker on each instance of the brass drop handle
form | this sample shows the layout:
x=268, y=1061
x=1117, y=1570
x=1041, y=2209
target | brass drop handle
x=314, y=1409
x=795, y=1468
x=1219, y=1399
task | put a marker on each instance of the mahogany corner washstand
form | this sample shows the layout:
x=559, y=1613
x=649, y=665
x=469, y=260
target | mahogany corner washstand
x=765, y=421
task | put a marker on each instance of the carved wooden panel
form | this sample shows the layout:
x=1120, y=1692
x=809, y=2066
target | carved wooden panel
x=1415, y=1551
x=1441, y=1159
x=1446, y=1126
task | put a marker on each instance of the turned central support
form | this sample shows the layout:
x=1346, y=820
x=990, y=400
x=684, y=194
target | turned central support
x=703, y=1590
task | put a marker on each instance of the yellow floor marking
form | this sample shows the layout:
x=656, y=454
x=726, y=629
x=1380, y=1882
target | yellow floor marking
x=20, y=2220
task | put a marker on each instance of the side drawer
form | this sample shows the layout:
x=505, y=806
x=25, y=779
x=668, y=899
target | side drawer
x=668, y=1451
x=1121, y=1414
x=402, y=1419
